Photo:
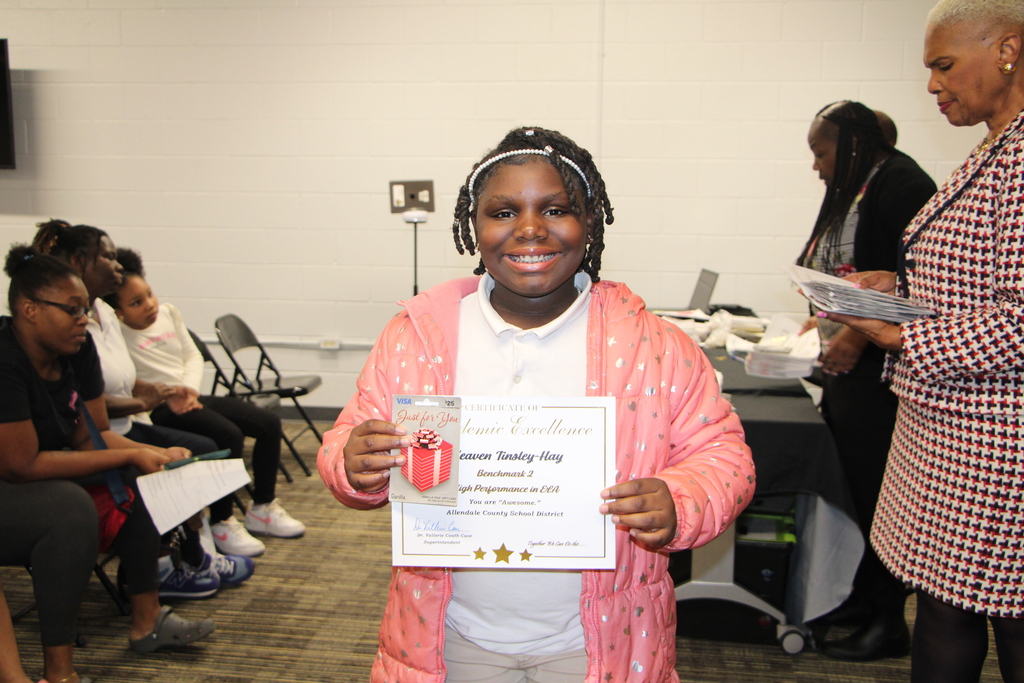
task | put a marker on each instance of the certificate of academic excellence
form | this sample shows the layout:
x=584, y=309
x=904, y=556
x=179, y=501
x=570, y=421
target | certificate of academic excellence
x=529, y=476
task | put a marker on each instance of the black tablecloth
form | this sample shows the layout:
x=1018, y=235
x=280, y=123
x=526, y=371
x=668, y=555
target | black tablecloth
x=792, y=446
x=737, y=381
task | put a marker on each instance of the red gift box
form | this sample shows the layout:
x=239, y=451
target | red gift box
x=428, y=459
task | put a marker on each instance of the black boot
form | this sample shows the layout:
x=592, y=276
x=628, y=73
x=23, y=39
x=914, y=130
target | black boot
x=852, y=613
x=885, y=635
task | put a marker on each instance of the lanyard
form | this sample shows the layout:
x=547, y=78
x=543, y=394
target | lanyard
x=112, y=477
x=809, y=253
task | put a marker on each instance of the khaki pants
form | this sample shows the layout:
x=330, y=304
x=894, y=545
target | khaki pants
x=469, y=663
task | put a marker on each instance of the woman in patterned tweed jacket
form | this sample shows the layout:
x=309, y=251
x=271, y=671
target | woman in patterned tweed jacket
x=949, y=520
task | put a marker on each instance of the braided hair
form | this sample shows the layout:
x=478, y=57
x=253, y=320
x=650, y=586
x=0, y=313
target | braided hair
x=596, y=206
x=65, y=241
x=31, y=272
x=131, y=263
x=858, y=144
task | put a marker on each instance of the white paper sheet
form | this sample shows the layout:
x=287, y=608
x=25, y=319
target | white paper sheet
x=172, y=496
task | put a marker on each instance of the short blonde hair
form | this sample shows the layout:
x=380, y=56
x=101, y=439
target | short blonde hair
x=1004, y=13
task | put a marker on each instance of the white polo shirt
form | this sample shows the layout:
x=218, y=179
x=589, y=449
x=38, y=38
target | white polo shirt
x=512, y=611
x=118, y=368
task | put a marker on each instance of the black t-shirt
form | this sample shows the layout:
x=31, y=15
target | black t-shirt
x=24, y=395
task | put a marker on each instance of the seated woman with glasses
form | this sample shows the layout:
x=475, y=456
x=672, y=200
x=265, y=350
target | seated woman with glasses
x=53, y=387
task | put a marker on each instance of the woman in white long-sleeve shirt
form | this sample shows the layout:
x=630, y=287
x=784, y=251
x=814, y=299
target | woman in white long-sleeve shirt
x=163, y=351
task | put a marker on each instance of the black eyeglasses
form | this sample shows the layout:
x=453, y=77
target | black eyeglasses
x=74, y=311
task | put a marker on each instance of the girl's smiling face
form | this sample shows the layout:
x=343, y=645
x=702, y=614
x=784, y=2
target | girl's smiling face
x=530, y=241
x=138, y=304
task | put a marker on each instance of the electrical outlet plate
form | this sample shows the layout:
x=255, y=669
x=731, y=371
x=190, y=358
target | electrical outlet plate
x=411, y=194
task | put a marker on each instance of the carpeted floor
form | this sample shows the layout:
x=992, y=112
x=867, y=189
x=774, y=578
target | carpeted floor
x=312, y=610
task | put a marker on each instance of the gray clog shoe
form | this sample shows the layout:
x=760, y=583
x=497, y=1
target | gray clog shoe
x=171, y=631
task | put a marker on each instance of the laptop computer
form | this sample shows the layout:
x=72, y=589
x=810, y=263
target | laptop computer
x=701, y=297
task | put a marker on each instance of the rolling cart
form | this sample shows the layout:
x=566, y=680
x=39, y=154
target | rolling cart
x=712, y=577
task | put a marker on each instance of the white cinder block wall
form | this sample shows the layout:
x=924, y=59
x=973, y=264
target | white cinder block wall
x=245, y=146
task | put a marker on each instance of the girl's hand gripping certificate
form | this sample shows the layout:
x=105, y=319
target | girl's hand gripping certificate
x=529, y=474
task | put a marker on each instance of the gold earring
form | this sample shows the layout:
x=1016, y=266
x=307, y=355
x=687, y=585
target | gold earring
x=1008, y=68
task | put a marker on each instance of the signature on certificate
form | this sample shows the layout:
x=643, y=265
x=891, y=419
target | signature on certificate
x=434, y=525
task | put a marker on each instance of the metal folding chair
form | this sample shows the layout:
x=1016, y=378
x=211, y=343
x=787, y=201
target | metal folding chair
x=236, y=336
x=220, y=380
x=101, y=574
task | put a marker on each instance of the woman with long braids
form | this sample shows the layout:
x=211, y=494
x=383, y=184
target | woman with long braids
x=539, y=322
x=871, y=192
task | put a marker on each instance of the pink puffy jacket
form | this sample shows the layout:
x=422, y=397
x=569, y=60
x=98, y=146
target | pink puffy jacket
x=672, y=423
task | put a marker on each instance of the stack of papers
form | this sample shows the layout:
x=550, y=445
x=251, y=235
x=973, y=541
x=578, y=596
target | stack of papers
x=783, y=352
x=836, y=295
x=692, y=314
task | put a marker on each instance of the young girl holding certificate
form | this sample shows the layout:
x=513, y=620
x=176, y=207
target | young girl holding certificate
x=539, y=322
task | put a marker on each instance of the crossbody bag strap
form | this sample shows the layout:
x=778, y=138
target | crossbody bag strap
x=112, y=477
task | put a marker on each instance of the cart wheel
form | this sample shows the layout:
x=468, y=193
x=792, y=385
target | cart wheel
x=792, y=641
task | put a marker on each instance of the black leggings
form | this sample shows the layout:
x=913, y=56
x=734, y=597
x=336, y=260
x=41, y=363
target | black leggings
x=950, y=644
x=137, y=544
x=164, y=437
x=228, y=421
x=52, y=527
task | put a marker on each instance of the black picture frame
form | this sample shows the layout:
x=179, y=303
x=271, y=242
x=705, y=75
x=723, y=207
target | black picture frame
x=7, y=159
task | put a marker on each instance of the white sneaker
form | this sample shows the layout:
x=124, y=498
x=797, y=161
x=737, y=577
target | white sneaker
x=231, y=538
x=272, y=520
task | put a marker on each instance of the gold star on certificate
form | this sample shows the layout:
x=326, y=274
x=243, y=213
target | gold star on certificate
x=479, y=553
x=525, y=555
x=503, y=554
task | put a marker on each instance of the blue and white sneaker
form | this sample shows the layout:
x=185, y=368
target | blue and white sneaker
x=232, y=569
x=186, y=583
